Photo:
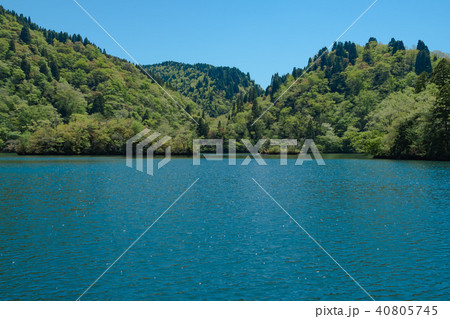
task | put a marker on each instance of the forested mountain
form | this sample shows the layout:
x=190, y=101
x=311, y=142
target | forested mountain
x=59, y=94
x=213, y=88
x=380, y=99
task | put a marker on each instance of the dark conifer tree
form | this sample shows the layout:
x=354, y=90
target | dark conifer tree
x=26, y=68
x=396, y=46
x=12, y=46
x=340, y=50
x=334, y=46
x=44, y=69
x=400, y=46
x=391, y=43
x=256, y=112
x=54, y=69
x=25, y=35
x=423, y=59
x=44, y=52
x=276, y=83
x=188, y=109
x=240, y=104
x=352, y=53
x=310, y=132
x=441, y=74
x=203, y=127
x=421, y=46
x=98, y=105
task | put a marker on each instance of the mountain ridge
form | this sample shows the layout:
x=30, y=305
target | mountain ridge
x=214, y=88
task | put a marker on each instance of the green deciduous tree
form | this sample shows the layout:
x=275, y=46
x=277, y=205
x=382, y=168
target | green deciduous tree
x=421, y=83
x=69, y=101
x=439, y=128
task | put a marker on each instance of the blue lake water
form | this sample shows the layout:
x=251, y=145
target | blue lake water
x=64, y=220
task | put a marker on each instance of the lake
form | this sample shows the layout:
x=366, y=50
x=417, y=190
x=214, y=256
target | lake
x=64, y=220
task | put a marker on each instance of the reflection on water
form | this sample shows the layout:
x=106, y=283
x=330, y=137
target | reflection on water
x=63, y=220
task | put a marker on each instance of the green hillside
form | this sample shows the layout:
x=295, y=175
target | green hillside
x=213, y=88
x=379, y=99
x=61, y=95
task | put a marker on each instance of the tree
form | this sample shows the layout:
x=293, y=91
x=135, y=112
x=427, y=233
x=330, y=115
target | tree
x=5, y=71
x=381, y=73
x=43, y=68
x=391, y=43
x=371, y=39
x=54, y=69
x=441, y=73
x=352, y=53
x=203, y=127
x=395, y=46
x=79, y=78
x=340, y=50
x=12, y=46
x=69, y=101
x=406, y=135
x=310, y=130
x=440, y=133
x=26, y=68
x=400, y=46
x=275, y=85
x=367, y=56
x=423, y=60
x=421, y=46
x=17, y=76
x=256, y=111
x=25, y=35
x=421, y=83
x=98, y=106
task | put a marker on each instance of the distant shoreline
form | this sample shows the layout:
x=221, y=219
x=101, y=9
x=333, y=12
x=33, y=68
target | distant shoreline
x=238, y=155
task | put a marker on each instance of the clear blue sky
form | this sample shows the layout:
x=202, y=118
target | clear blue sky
x=261, y=37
